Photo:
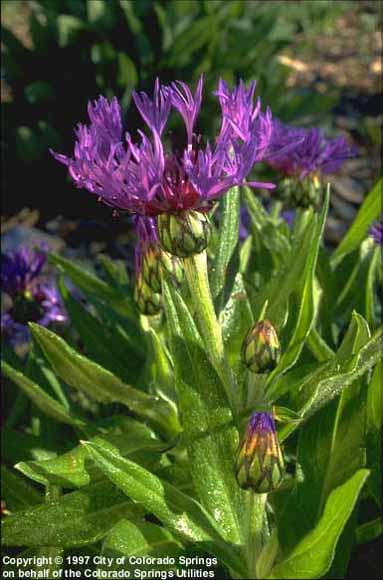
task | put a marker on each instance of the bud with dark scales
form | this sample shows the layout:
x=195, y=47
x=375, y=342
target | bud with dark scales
x=260, y=465
x=261, y=350
x=148, y=301
x=184, y=234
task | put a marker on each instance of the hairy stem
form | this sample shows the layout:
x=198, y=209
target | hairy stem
x=198, y=281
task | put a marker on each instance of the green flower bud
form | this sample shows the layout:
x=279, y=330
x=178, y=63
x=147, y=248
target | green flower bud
x=148, y=301
x=172, y=266
x=261, y=350
x=302, y=193
x=260, y=464
x=184, y=234
x=151, y=267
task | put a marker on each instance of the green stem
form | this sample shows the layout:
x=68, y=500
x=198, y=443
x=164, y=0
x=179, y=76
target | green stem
x=256, y=506
x=198, y=281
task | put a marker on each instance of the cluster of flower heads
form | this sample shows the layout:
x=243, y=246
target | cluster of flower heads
x=170, y=191
x=32, y=297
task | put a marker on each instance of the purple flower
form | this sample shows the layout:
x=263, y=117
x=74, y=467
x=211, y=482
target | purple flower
x=301, y=152
x=376, y=231
x=143, y=177
x=261, y=423
x=33, y=299
x=20, y=268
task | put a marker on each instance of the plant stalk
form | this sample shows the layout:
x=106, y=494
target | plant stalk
x=254, y=529
x=198, y=281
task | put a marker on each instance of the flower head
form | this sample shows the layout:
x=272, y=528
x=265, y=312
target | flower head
x=32, y=298
x=260, y=464
x=299, y=152
x=147, y=179
x=18, y=269
x=376, y=231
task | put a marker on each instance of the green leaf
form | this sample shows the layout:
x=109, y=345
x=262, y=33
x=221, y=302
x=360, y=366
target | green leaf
x=181, y=514
x=17, y=493
x=264, y=228
x=331, y=384
x=76, y=519
x=368, y=212
x=178, y=512
x=70, y=470
x=99, y=383
x=312, y=557
x=115, y=271
x=374, y=417
x=236, y=319
x=68, y=27
x=101, y=343
x=162, y=367
x=306, y=298
x=94, y=285
x=287, y=279
x=317, y=387
x=140, y=539
x=211, y=440
x=330, y=450
x=40, y=398
x=228, y=240
x=369, y=531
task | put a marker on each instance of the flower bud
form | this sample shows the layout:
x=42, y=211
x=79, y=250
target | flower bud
x=184, y=234
x=261, y=350
x=172, y=266
x=260, y=464
x=148, y=301
x=151, y=267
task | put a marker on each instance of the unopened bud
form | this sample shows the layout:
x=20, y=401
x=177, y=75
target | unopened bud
x=148, y=301
x=261, y=350
x=151, y=267
x=184, y=234
x=260, y=464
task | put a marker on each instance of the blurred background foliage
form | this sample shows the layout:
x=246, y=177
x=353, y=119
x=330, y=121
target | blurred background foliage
x=57, y=54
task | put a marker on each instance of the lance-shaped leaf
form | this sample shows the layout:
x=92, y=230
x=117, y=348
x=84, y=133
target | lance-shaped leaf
x=368, y=212
x=330, y=450
x=40, y=398
x=264, y=228
x=18, y=493
x=85, y=375
x=76, y=519
x=69, y=470
x=140, y=539
x=106, y=347
x=179, y=513
x=94, y=285
x=228, y=239
x=305, y=297
x=312, y=557
x=207, y=421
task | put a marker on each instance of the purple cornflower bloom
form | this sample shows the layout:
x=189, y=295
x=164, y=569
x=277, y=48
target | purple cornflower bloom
x=376, y=231
x=261, y=423
x=300, y=152
x=33, y=299
x=144, y=178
